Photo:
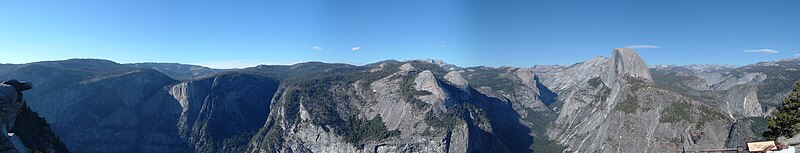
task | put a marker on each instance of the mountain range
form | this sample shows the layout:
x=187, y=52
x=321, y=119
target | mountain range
x=616, y=104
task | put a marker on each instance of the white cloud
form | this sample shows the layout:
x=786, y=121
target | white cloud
x=316, y=48
x=643, y=47
x=765, y=51
x=797, y=55
x=442, y=46
x=356, y=48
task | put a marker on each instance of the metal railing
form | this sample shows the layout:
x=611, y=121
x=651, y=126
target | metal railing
x=737, y=150
x=728, y=150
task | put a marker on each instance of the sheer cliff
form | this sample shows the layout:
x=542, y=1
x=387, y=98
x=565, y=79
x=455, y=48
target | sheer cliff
x=36, y=134
x=221, y=112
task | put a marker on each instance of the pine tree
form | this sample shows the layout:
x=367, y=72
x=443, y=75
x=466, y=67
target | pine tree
x=786, y=119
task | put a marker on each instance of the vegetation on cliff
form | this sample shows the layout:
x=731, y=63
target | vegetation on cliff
x=786, y=119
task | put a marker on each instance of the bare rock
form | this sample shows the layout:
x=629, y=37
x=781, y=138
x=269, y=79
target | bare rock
x=742, y=101
x=627, y=62
x=455, y=78
x=390, y=106
x=407, y=67
x=426, y=81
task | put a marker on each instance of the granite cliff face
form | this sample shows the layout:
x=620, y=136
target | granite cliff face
x=220, y=112
x=599, y=105
x=628, y=63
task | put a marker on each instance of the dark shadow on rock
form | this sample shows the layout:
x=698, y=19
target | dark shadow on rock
x=508, y=134
x=505, y=122
x=545, y=94
x=36, y=134
x=228, y=109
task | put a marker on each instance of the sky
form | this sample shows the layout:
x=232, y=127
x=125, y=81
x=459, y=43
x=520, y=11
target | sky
x=226, y=34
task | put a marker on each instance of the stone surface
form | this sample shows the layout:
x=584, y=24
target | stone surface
x=455, y=78
x=427, y=82
x=627, y=62
x=743, y=102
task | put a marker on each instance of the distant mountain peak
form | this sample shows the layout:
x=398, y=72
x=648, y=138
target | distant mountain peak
x=440, y=63
x=178, y=71
x=627, y=62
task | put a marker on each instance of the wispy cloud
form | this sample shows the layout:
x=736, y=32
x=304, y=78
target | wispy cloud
x=442, y=46
x=765, y=51
x=797, y=55
x=356, y=48
x=643, y=47
x=316, y=48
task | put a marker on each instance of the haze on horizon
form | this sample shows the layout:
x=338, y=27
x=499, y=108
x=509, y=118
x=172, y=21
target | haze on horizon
x=492, y=33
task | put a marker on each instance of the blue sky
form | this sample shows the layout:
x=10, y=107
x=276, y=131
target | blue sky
x=465, y=33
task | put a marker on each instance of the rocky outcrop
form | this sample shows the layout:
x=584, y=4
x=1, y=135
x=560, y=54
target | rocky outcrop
x=218, y=110
x=407, y=67
x=425, y=81
x=628, y=63
x=742, y=101
x=455, y=78
x=390, y=106
x=22, y=129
